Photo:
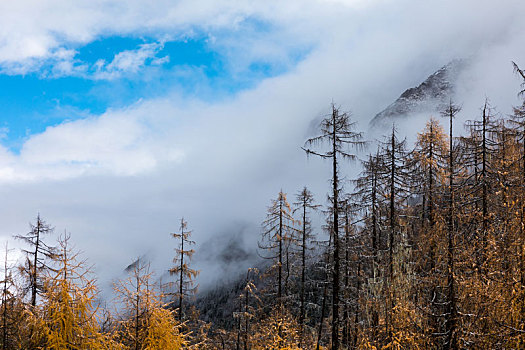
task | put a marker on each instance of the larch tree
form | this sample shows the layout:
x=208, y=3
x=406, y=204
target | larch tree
x=476, y=229
x=69, y=310
x=337, y=130
x=249, y=305
x=520, y=72
x=394, y=183
x=278, y=330
x=182, y=269
x=354, y=252
x=304, y=205
x=135, y=294
x=324, y=266
x=145, y=324
x=429, y=173
x=39, y=257
x=450, y=112
x=278, y=233
x=480, y=146
x=369, y=199
x=163, y=332
x=518, y=121
x=7, y=301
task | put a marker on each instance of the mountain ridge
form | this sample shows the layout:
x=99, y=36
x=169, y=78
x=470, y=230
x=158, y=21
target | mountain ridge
x=427, y=97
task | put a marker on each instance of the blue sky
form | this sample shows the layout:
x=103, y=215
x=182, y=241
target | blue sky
x=32, y=101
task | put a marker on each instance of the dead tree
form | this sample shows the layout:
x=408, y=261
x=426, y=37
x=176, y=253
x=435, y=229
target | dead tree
x=278, y=234
x=394, y=183
x=337, y=130
x=39, y=257
x=451, y=308
x=368, y=197
x=182, y=268
x=305, y=203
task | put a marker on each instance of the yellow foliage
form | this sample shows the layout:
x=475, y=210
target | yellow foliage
x=69, y=320
x=279, y=330
x=145, y=324
x=163, y=331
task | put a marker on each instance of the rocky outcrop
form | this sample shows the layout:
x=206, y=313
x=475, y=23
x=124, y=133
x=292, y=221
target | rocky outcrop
x=428, y=97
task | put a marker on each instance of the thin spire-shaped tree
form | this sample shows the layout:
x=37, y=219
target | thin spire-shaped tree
x=279, y=232
x=337, y=130
x=182, y=268
x=304, y=204
x=38, y=256
x=451, y=309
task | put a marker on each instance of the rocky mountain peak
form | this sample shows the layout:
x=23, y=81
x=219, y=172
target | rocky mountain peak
x=432, y=93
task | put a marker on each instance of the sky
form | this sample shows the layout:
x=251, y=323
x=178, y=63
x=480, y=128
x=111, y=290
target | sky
x=119, y=118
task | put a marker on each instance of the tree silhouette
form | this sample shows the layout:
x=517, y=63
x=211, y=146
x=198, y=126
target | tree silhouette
x=182, y=267
x=337, y=130
x=38, y=256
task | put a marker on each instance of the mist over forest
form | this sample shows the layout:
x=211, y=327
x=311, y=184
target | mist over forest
x=328, y=174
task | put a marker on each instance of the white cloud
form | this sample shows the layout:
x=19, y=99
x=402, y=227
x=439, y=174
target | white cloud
x=124, y=177
x=63, y=62
x=122, y=143
x=32, y=32
x=129, y=61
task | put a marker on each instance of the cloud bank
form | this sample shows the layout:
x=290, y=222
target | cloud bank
x=121, y=180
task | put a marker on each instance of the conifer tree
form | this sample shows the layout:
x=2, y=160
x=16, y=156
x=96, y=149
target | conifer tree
x=145, y=324
x=337, y=130
x=353, y=247
x=481, y=148
x=451, y=308
x=304, y=204
x=394, y=180
x=429, y=169
x=279, y=330
x=182, y=268
x=69, y=312
x=39, y=257
x=522, y=74
x=7, y=302
x=518, y=123
x=279, y=231
x=369, y=199
x=249, y=304
x=135, y=294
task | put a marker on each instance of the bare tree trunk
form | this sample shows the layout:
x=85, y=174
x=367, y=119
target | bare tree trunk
x=356, y=313
x=279, y=290
x=346, y=315
x=181, y=282
x=335, y=274
x=450, y=320
x=325, y=296
x=35, y=262
x=303, y=275
x=391, y=303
